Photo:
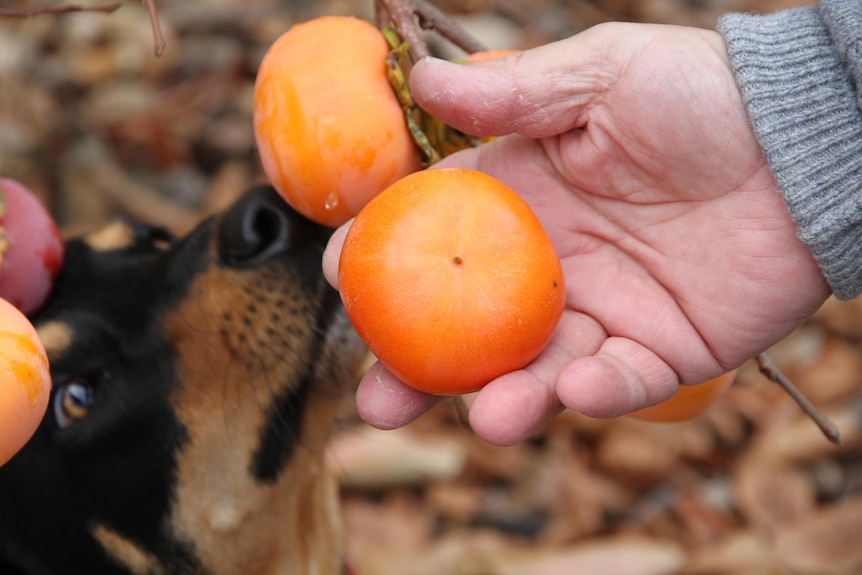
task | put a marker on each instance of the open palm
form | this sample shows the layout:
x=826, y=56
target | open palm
x=632, y=146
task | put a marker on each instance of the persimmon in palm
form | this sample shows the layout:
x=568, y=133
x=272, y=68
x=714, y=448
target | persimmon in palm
x=451, y=280
x=689, y=400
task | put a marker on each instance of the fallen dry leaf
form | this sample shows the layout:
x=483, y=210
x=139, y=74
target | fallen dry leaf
x=772, y=494
x=747, y=552
x=828, y=541
x=374, y=459
x=620, y=556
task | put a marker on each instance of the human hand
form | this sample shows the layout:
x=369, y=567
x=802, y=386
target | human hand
x=632, y=145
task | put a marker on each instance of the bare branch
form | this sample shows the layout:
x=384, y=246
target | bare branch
x=432, y=18
x=60, y=9
x=158, y=39
x=770, y=370
x=410, y=17
x=401, y=14
x=462, y=412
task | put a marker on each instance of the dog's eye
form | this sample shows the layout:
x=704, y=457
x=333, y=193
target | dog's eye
x=72, y=402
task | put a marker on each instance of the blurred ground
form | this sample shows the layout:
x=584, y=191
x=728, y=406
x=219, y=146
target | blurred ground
x=99, y=127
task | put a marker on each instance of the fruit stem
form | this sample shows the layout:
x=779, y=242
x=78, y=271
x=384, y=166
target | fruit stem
x=402, y=23
x=397, y=67
x=400, y=14
x=410, y=17
x=770, y=370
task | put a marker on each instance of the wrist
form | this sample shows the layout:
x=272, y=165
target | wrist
x=804, y=111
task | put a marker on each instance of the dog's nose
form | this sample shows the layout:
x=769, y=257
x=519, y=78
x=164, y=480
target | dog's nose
x=257, y=227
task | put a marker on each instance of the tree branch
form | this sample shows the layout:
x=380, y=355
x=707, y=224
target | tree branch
x=770, y=370
x=432, y=18
x=60, y=9
x=159, y=43
x=410, y=17
x=158, y=39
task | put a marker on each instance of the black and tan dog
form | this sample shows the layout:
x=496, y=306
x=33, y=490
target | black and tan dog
x=195, y=383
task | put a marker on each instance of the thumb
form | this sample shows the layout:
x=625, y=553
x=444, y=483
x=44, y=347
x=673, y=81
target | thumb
x=540, y=92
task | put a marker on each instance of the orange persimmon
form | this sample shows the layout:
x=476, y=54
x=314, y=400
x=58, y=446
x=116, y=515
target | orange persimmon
x=25, y=381
x=329, y=129
x=451, y=280
x=689, y=400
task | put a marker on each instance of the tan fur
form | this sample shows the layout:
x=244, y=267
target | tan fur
x=55, y=336
x=241, y=337
x=126, y=552
x=113, y=236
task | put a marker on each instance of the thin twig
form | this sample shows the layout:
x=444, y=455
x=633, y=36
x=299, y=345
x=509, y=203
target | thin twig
x=410, y=17
x=159, y=43
x=401, y=14
x=60, y=9
x=432, y=18
x=770, y=370
x=463, y=412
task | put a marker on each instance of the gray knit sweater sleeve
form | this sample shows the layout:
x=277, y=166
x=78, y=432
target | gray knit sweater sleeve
x=800, y=74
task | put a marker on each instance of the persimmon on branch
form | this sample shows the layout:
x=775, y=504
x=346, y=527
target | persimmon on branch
x=158, y=38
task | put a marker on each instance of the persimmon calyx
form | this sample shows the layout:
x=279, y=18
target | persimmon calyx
x=434, y=138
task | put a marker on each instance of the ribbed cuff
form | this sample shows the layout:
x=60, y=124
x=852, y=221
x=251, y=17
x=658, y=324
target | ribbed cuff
x=803, y=106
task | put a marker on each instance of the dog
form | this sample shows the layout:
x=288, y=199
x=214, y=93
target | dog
x=195, y=382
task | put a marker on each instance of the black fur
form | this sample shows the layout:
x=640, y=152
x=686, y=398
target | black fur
x=117, y=465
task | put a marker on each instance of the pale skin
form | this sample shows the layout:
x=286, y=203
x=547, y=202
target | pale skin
x=632, y=145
